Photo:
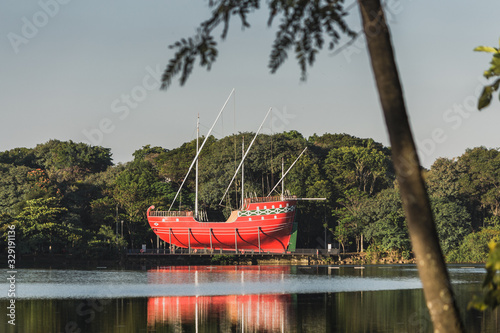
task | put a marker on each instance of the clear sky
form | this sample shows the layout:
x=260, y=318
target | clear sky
x=89, y=70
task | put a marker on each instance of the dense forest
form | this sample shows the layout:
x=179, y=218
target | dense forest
x=67, y=197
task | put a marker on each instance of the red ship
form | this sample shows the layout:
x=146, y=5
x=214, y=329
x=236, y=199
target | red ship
x=263, y=224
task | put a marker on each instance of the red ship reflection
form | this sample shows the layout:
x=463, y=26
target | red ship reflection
x=259, y=312
x=199, y=274
x=269, y=313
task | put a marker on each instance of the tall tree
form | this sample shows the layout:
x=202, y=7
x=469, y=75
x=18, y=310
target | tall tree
x=431, y=266
x=136, y=188
x=451, y=208
x=39, y=226
x=303, y=26
x=68, y=154
x=480, y=181
x=385, y=221
x=363, y=168
x=15, y=185
x=350, y=215
x=452, y=223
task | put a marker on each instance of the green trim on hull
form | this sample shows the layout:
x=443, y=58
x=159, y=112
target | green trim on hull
x=292, y=245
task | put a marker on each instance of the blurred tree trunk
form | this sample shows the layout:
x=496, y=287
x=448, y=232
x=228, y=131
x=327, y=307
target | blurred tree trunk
x=431, y=266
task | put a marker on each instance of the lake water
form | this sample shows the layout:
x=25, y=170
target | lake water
x=233, y=299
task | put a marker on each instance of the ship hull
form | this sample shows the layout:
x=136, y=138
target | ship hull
x=261, y=226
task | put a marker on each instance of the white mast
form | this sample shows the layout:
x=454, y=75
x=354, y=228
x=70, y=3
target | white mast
x=246, y=153
x=196, y=186
x=198, y=153
x=282, y=175
x=242, y=173
x=291, y=166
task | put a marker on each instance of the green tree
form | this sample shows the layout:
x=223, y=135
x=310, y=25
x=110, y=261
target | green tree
x=57, y=154
x=480, y=183
x=39, y=229
x=106, y=244
x=443, y=179
x=474, y=248
x=350, y=215
x=491, y=73
x=19, y=157
x=342, y=233
x=356, y=172
x=453, y=220
x=6, y=221
x=172, y=165
x=363, y=168
x=385, y=222
x=148, y=153
x=15, y=186
x=452, y=223
x=136, y=188
x=103, y=212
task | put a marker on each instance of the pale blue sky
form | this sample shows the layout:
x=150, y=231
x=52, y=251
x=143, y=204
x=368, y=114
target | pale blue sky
x=70, y=66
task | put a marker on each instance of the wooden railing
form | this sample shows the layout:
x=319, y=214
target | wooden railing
x=269, y=199
x=171, y=213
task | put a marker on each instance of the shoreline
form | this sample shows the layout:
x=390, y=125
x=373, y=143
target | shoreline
x=139, y=261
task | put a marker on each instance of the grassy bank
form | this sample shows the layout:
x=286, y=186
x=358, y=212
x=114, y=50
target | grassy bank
x=141, y=261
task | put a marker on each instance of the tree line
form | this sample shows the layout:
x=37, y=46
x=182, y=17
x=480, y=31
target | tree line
x=67, y=197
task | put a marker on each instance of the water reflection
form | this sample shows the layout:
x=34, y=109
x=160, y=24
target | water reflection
x=207, y=281
x=235, y=299
x=254, y=313
x=196, y=275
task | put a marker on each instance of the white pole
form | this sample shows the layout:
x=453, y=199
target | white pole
x=211, y=248
x=291, y=166
x=242, y=174
x=235, y=240
x=282, y=175
x=258, y=235
x=198, y=153
x=246, y=153
x=196, y=187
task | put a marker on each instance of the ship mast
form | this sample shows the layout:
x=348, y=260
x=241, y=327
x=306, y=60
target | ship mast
x=283, y=177
x=196, y=186
x=242, y=173
x=244, y=156
x=198, y=152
